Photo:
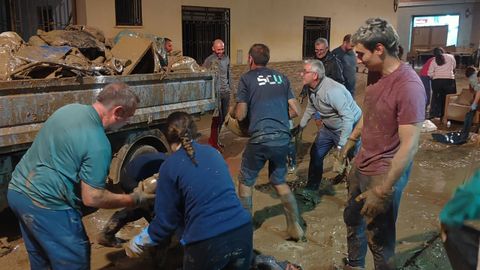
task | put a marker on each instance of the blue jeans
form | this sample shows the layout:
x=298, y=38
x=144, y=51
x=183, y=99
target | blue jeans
x=254, y=158
x=380, y=231
x=324, y=141
x=55, y=239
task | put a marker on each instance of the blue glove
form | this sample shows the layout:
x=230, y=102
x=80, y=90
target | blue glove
x=474, y=106
x=465, y=204
x=317, y=116
x=136, y=246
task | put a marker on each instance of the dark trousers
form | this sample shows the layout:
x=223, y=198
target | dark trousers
x=462, y=247
x=380, y=231
x=325, y=140
x=427, y=85
x=55, y=239
x=230, y=250
x=440, y=89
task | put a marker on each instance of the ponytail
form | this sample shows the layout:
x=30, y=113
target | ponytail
x=182, y=129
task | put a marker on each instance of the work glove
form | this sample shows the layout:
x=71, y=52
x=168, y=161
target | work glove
x=294, y=131
x=474, y=107
x=140, y=196
x=136, y=246
x=375, y=202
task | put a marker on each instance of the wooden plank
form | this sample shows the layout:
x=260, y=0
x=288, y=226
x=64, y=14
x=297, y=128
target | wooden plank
x=133, y=49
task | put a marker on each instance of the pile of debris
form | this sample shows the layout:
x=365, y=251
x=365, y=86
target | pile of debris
x=84, y=51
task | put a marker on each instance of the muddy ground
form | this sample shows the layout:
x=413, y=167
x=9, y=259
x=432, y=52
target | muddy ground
x=437, y=170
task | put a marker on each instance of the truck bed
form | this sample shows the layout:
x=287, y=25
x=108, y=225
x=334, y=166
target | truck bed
x=26, y=104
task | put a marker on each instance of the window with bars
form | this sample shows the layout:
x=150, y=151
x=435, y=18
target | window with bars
x=128, y=12
x=313, y=28
x=201, y=26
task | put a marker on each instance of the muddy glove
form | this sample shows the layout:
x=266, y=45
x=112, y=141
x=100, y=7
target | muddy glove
x=136, y=246
x=340, y=160
x=140, y=196
x=374, y=202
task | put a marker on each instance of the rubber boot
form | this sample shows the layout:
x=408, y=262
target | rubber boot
x=247, y=203
x=292, y=216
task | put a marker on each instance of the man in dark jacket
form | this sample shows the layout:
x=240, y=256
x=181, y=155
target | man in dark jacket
x=333, y=66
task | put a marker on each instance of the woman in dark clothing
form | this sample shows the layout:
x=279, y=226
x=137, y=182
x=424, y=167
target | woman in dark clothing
x=196, y=199
x=442, y=72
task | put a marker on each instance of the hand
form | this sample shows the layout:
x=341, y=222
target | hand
x=140, y=197
x=136, y=246
x=375, y=201
x=133, y=250
x=340, y=161
x=474, y=107
x=348, y=146
x=294, y=131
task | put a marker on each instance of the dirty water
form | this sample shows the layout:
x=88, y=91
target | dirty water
x=437, y=170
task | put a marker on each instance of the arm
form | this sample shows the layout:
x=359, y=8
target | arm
x=431, y=69
x=293, y=108
x=168, y=205
x=307, y=115
x=477, y=97
x=101, y=198
x=340, y=104
x=409, y=137
x=357, y=131
x=241, y=108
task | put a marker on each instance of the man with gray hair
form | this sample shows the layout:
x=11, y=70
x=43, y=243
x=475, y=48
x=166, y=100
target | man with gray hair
x=394, y=110
x=339, y=113
x=65, y=167
x=333, y=66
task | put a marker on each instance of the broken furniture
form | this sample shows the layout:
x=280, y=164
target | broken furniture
x=458, y=105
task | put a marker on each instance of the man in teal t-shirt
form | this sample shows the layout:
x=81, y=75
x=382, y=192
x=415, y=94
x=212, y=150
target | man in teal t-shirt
x=66, y=166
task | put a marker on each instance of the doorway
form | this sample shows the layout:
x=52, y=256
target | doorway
x=313, y=28
x=201, y=26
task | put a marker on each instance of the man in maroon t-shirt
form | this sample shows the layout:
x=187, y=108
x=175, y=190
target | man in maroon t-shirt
x=394, y=110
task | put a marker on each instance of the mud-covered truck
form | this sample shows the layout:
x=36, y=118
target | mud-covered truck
x=26, y=104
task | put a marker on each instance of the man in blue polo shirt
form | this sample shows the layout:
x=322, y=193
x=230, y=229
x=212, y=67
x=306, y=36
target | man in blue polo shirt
x=266, y=98
x=66, y=166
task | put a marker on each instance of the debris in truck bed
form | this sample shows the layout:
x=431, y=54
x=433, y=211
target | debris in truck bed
x=137, y=50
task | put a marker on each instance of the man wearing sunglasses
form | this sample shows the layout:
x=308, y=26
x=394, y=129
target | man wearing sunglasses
x=393, y=113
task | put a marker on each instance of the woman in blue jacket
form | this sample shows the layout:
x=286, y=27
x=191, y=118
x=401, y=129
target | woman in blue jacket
x=196, y=199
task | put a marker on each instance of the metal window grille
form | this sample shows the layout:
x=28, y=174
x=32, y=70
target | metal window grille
x=201, y=26
x=28, y=16
x=313, y=28
x=128, y=12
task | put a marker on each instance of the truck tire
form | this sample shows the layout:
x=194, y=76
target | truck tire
x=127, y=184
